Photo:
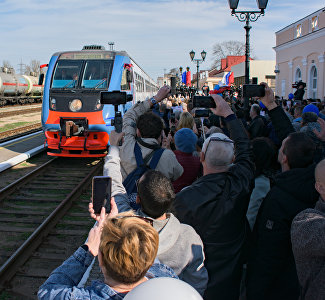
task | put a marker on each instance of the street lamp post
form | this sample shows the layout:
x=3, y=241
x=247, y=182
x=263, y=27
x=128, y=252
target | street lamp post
x=247, y=17
x=198, y=61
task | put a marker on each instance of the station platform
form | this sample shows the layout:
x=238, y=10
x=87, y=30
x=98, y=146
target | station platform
x=20, y=149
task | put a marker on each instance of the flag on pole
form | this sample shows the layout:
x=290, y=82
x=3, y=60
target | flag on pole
x=227, y=77
x=184, y=77
x=231, y=78
x=223, y=80
x=188, y=78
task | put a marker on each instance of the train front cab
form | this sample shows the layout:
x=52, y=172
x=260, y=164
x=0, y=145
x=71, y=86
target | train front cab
x=75, y=123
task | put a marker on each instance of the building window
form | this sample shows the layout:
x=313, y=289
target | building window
x=314, y=23
x=298, y=31
x=298, y=75
x=313, y=83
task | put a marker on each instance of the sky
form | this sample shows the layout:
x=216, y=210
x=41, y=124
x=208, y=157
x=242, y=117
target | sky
x=157, y=34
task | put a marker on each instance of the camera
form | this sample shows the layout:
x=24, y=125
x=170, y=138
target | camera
x=116, y=98
x=202, y=113
x=203, y=102
x=172, y=130
x=296, y=84
x=253, y=90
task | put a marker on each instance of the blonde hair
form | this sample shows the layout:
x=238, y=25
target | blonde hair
x=129, y=247
x=185, y=121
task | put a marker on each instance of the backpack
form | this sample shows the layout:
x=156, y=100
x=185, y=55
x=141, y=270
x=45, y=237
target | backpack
x=130, y=181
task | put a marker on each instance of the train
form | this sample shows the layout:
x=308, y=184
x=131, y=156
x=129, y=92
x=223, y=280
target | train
x=75, y=122
x=19, y=89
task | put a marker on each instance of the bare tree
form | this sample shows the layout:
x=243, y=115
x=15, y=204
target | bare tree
x=6, y=64
x=173, y=71
x=33, y=67
x=222, y=50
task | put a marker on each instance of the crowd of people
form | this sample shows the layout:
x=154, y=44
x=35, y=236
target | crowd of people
x=232, y=204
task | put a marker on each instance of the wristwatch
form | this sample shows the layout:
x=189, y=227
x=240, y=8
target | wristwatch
x=85, y=247
x=153, y=100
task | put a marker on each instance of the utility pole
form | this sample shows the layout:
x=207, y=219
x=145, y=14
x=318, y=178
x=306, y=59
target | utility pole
x=21, y=67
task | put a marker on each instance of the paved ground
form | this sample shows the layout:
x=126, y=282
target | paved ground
x=14, y=148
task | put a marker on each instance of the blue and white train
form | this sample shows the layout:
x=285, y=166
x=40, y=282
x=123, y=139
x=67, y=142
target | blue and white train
x=74, y=121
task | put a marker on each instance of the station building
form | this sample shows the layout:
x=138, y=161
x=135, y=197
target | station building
x=259, y=70
x=300, y=55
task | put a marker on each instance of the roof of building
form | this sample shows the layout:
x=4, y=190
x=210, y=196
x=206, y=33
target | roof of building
x=299, y=21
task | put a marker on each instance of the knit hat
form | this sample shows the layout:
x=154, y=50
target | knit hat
x=185, y=140
x=311, y=108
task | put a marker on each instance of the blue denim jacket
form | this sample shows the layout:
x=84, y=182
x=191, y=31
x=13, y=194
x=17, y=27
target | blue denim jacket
x=62, y=283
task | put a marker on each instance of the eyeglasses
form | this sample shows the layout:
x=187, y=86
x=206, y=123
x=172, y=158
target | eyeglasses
x=148, y=220
x=217, y=139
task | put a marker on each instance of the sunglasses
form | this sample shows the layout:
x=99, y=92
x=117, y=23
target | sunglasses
x=217, y=139
x=148, y=220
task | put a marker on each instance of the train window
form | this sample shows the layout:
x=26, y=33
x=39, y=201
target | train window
x=66, y=74
x=97, y=74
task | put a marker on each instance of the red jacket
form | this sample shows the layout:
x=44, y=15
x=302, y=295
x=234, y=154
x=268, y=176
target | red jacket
x=191, y=166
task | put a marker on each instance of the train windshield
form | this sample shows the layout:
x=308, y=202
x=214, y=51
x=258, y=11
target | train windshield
x=96, y=74
x=67, y=74
x=87, y=74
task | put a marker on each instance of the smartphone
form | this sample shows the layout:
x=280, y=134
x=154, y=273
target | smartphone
x=172, y=118
x=101, y=193
x=203, y=102
x=253, y=90
x=202, y=113
x=114, y=97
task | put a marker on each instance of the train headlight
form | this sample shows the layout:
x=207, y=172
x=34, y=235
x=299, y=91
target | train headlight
x=53, y=104
x=75, y=105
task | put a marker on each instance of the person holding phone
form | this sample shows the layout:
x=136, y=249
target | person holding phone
x=124, y=261
x=180, y=247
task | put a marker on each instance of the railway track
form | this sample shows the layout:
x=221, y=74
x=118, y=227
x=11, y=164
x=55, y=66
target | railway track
x=20, y=131
x=25, y=111
x=43, y=219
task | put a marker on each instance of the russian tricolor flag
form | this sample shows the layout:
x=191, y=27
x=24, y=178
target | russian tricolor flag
x=228, y=78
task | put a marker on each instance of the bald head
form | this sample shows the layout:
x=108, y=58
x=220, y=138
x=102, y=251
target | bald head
x=320, y=172
x=218, y=150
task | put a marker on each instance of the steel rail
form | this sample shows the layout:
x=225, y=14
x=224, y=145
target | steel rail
x=12, y=265
x=6, y=191
x=19, y=131
x=11, y=113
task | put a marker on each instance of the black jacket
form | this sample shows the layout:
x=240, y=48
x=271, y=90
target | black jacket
x=299, y=94
x=257, y=128
x=215, y=205
x=271, y=270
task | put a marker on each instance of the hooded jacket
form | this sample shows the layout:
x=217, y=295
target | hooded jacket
x=271, y=271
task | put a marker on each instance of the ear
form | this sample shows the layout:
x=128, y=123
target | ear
x=319, y=188
x=202, y=157
x=284, y=160
x=138, y=133
x=137, y=200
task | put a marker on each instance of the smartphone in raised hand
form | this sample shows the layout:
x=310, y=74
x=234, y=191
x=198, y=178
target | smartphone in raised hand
x=101, y=193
